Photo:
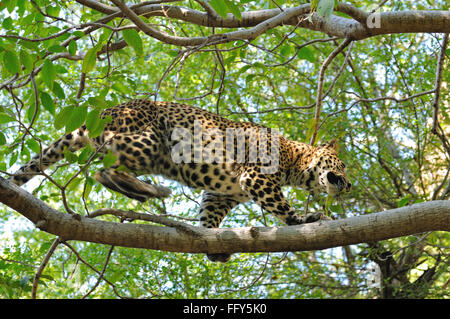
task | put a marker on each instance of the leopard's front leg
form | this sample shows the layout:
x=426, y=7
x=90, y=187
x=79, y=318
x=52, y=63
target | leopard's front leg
x=265, y=190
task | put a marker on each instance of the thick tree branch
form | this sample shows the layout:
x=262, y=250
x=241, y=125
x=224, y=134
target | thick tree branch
x=354, y=29
x=429, y=216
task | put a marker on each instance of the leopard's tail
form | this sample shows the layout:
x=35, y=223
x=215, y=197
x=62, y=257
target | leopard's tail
x=55, y=152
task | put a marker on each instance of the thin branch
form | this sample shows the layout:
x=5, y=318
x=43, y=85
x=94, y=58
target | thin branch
x=147, y=217
x=438, y=82
x=436, y=129
x=382, y=98
x=319, y=98
x=211, y=12
x=222, y=79
x=44, y=263
x=93, y=269
x=100, y=277
x=53, y=36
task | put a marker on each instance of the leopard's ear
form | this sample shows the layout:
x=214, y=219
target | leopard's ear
x=333, y=144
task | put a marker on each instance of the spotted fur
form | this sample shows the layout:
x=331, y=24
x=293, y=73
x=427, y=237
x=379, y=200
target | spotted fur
x=139, y=135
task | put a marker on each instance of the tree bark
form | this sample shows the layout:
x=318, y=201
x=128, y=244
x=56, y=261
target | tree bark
x=358, y=27
x=428, y=216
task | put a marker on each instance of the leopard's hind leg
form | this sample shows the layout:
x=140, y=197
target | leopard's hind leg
x=137, y=151
x=213, y=209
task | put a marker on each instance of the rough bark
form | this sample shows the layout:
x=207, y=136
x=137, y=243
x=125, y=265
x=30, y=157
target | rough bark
x=429, y=216
x=357, y=27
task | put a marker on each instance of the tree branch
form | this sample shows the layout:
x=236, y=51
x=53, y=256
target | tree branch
x=319, y=97
x=355, y=29
x=418, y=218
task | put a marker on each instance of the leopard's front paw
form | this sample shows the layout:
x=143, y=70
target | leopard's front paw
x=314, y=217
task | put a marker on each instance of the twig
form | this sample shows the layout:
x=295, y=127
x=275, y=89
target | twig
x=319, y=98
x=398, y=100
x=41, y=268
x=18, y=262
x=211, y=12
x=147, y=217
x=101, y=274
x=82, y=83
x=437, y=86
x=254, y=281
x=436, y=128
x=92, y=268
x=222, y=79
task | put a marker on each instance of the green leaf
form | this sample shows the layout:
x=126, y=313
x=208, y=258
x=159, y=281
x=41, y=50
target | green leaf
x=63, y=117
x=285, y=50
x=7, y=23
x=336, y=3
x=92, y=122
x=79, y=34
x=11, y=5
x=33, y=145
x=57, y=48
x=99, y=127
x=11, y=62
x=244, y=69
x=47, y=102
x=2, y=139
x=85, y=154
x=306, y=54
x=133, y=39
x=98, y=102
x=58, y=91
x=109, y=159
x=328, y=203
x=325, y=9
x=89, y=60
x=70, y=157
x=120, y=87
x=88, y=188
x=314, y=4
x=220, y=7
x=72, y=47
x=26, y=60
x=77, y=118
x=6, y=118
x=48, y=73
x=54, y=11
x=336, y=209
x=310, y=128
x=402, y=202
x=74, y=184
x=13, y=159
x=234, y=9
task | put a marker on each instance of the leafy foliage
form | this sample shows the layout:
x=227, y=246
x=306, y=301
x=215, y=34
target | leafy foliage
x=385, y=135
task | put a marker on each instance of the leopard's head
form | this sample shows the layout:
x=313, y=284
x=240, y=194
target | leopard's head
x=330, y=170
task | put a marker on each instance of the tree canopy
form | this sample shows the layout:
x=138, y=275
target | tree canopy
x=373, y=75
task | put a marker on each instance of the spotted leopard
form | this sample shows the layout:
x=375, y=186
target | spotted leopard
x=149, y=137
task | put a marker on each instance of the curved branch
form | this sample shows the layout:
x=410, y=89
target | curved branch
x=355, y=29
x=319, y=97
x=429, y=216
x=248, y=34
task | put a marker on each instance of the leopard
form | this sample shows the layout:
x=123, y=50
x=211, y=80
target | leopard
x=149, y=137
